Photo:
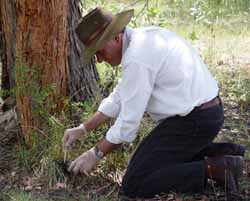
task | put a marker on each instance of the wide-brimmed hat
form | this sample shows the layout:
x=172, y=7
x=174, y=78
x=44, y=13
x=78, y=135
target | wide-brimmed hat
x=98, y=27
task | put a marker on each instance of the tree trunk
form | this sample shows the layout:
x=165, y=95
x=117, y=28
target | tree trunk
x=7, y=44
x=82, y=78
x=41, y=42
x=46, y=53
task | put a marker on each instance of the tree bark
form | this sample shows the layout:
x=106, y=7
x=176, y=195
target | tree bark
x=7, y=44
x=38, y=36
x=83, y=79
x=41, y=42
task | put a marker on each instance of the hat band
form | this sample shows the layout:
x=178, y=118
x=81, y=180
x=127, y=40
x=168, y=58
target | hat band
x=94, y=35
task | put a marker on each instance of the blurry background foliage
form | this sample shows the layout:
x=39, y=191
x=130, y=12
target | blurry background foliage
x=218, y=29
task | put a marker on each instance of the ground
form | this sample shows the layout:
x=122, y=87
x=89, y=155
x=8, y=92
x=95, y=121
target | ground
x=104, y=185
x=224, y=46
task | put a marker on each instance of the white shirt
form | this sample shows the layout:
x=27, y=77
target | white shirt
x=162, y=75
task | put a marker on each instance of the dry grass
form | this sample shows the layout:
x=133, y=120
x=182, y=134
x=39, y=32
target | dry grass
x=225, y=47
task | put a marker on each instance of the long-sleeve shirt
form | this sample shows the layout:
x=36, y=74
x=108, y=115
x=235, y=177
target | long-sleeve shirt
x=161, y=75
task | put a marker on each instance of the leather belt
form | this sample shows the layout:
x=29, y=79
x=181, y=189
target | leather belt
x=211, y=103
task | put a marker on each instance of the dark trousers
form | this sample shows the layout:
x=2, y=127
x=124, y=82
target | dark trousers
x=166, y=159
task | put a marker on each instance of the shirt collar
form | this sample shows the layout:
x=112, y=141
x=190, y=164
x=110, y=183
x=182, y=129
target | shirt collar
x=126, y=39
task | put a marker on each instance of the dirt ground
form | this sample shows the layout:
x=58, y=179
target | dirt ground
x=236, y=129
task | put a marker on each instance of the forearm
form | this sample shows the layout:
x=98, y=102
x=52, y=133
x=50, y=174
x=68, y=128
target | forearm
x=95, y=121
x=106, y=147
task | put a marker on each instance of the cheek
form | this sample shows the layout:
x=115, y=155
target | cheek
x=108, y=53
x=111, y=50
x=114, y=51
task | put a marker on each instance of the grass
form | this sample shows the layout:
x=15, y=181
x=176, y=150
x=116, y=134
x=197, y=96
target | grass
x=18, y=195
x=221, y=41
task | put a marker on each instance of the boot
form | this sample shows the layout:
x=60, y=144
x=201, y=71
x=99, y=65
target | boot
x=220, y=149
x=226, y=170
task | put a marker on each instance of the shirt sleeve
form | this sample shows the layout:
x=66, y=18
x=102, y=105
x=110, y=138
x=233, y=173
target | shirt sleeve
x=111, y=105
x=135, y=90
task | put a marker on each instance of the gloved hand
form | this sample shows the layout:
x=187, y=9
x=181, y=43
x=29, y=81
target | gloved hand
x=84, y=163
x=72, y=134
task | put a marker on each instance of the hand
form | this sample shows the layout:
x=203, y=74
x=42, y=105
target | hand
x=84, y=163
x=71, y=135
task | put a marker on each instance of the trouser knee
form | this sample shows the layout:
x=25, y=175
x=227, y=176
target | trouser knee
x=129, y=186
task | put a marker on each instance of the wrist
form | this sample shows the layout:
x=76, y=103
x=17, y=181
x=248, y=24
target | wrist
x=83, y=129
x=98, y=153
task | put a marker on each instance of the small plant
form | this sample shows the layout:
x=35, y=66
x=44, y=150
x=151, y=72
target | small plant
x=235, y=85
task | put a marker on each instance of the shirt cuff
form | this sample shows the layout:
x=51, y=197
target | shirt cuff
x=108, y=108
x=115, y=138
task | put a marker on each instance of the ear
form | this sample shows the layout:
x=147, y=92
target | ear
x=118, y=37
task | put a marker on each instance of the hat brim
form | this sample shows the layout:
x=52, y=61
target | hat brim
x=116, y=25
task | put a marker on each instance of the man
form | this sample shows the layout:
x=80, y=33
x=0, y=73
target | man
x=164, y=76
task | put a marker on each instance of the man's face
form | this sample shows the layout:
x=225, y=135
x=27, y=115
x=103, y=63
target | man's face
x=111, y=52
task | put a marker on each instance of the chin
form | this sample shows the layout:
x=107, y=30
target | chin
x=113, y=63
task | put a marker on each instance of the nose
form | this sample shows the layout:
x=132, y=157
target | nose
x=99, y=58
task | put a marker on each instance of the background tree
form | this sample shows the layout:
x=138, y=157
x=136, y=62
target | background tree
x=41, y=51
x=7, y=44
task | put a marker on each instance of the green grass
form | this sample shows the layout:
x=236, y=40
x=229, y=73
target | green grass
x=222, y=40
x=18, y=195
